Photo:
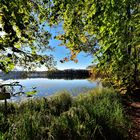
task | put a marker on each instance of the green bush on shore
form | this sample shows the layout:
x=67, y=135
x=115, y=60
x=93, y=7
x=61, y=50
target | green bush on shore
x=95, y=115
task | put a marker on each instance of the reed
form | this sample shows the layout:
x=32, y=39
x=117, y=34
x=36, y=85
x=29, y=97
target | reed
x=95, y=115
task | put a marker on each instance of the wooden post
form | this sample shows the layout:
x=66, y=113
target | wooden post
x=5, y=101
x=5, y=96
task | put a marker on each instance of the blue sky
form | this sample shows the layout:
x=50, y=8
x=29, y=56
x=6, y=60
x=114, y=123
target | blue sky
x=60, y=52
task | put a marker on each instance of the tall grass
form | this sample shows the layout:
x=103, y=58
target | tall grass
x=97, y=115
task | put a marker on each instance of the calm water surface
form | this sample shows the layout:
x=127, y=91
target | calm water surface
x=47, y=87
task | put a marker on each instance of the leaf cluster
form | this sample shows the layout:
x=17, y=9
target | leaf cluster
x=23, y=35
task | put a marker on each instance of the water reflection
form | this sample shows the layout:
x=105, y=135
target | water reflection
x=47, y=87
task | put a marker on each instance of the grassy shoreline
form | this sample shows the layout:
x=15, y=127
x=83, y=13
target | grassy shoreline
x=98, y=115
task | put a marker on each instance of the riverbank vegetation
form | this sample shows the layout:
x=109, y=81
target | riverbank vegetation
x=96, y=115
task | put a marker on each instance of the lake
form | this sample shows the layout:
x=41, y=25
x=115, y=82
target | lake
x=46, y=87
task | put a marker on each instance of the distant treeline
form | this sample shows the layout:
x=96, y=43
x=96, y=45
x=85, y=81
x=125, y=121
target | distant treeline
x=55, y=74
x=69, y=74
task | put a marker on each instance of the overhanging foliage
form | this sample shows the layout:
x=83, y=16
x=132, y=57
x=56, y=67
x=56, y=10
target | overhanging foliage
x=110, y=30
x=23, y=35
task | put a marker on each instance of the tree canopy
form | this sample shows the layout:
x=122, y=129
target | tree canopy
x=108, y=29
x=23, y=37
